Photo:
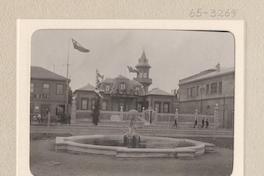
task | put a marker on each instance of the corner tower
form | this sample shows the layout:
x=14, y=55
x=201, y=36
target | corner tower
x=143, y=72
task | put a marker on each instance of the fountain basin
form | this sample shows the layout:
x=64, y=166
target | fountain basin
x=149, y=147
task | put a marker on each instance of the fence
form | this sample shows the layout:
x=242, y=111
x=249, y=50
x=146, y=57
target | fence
x=148, y=116
x=108, y=115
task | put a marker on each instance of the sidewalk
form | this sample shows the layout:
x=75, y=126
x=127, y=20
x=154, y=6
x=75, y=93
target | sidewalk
x=151, y=131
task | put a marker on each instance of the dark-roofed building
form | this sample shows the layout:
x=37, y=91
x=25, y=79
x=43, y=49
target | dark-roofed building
x=47, y=93
x=205, y=90
x=127, y=94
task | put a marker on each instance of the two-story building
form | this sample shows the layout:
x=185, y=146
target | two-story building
x=205, y=90
x=47, y=92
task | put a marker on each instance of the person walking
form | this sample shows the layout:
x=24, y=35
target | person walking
x=176, y=118
x=195, y=118
x=207, y=113
x=206, y=123
x=202, y=123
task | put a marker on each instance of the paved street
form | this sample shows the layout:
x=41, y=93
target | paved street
x=45, y=161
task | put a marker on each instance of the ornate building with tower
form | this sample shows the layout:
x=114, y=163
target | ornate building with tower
x=124, y=94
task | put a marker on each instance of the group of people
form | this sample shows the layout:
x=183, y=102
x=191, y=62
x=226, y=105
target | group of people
x=205, y=121
x=45, y=117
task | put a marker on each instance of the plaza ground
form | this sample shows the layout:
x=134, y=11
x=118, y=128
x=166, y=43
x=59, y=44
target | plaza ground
x=44, y=161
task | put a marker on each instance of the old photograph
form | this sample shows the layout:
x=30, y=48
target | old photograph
x=125, y=102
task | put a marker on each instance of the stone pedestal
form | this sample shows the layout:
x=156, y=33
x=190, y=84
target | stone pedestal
x=73, y=111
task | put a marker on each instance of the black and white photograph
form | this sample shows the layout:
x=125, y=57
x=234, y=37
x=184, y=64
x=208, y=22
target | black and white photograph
x=126, y=102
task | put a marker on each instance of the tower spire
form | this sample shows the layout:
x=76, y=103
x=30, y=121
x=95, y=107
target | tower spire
x=143, y=71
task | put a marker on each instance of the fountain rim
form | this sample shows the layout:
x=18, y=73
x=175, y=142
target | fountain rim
x=68, y=143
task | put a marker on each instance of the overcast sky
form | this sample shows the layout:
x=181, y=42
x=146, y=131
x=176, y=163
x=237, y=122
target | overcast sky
x=172, y=54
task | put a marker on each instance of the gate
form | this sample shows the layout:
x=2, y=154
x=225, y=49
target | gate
x=150, y=115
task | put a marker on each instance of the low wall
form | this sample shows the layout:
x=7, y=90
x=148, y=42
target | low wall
x=106, y=115
x=126, y=116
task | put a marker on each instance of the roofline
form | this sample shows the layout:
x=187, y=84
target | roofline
x=50, y=79
x=199, y=74
x=83, y=91
x=161, y=95
x=43, y=68
x=142, y=65
x=199, y=79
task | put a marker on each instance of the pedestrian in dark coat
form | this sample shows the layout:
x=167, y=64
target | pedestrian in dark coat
x=195, y=118
x=203, y=123
x=206, y=123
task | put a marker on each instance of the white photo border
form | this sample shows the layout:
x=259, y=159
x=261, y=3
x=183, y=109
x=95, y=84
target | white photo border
x=26, y=28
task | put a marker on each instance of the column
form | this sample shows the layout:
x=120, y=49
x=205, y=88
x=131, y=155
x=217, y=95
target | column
x=73, y=110
x=121, y=113
x=216, y=116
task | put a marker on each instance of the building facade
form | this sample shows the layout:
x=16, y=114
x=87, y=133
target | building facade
x=208, y=89
x=123, y=94
x=47, y=93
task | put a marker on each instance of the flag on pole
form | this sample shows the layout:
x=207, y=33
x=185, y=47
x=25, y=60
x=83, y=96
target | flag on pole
x=79, y=47
x=132, y=70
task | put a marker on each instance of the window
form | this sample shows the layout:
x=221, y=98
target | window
x=46, y=87
x=122, y=86
x=43, y=96
x=214, y=88
x=139, y=107
x=166, y=108
x=220, y=87
x=107, y=88
x=197, y=91
x=145, y=75
x=136, y=92
x=60, y=109
x=84, y=104
x=207, y=89
x=31, y=87
x=157, y=107
x=59, y=89
x=192, y=92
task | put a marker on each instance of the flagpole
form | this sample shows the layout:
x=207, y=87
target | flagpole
x=67, y=83
x=77, y=46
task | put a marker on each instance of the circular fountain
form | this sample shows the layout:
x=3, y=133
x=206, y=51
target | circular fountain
x=114, y=145
x=132, y=145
